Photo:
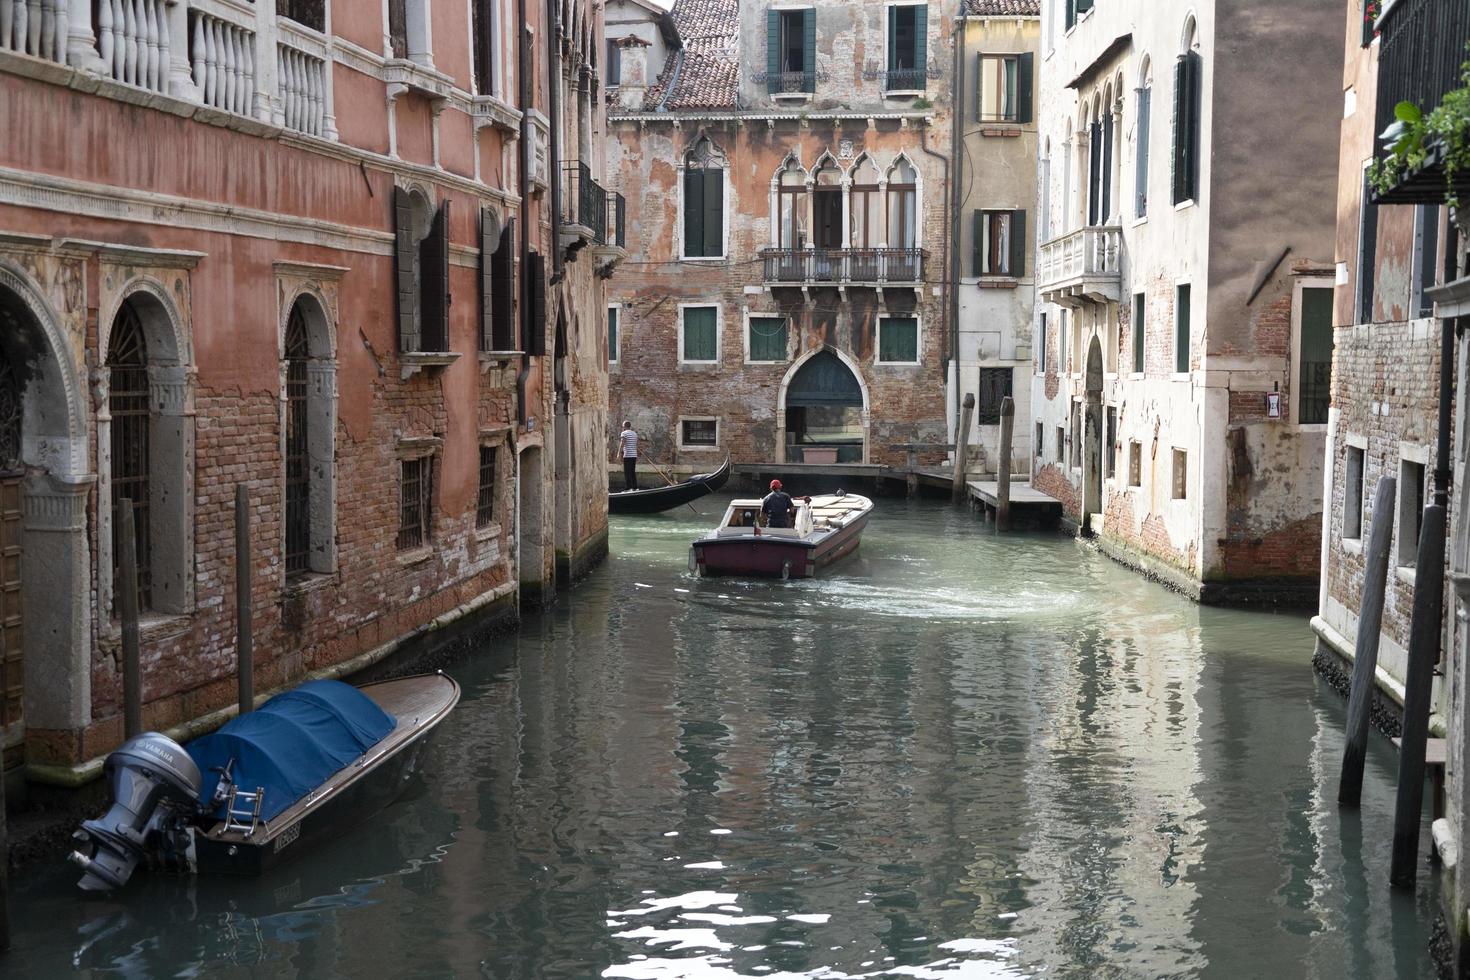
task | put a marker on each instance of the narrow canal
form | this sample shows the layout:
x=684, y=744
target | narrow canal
x=958, y=755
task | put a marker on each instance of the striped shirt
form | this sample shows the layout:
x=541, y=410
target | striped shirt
x=629, y=441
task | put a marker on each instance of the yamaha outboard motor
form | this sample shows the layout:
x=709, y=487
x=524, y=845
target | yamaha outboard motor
x=155, y=793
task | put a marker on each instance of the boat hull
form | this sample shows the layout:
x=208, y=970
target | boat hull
x=767, y=556
x=659, y=499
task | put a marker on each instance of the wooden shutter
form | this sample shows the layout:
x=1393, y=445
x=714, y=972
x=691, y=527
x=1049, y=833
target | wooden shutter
x=694, y=212
x=979, y=87
x=502, y=290
x=892, y=40
x=978, y=251
x=921, y=45
x=1094, y=161
x=1071, y=6
x=714, y=211
x=1179, y=159
x=1105, y=188
x=1140, y=159
x=1018, y=244
x=1194, y=72
x=809, y=49
x=434, y=296
x=488, y=244
x=773, y=51
x=536, y=309
x=1083, y=6
x=403, y=256
x=1025, y=68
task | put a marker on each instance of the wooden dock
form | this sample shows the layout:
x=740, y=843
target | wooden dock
x=1028, y=504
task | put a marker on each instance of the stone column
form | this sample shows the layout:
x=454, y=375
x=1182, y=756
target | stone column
x=81, y=42
x=56, y=598
x=171, y=490
x=180, y=72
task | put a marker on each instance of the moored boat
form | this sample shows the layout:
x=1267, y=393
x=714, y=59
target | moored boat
x=827, y=528
x=656, y=499
x=302, y=767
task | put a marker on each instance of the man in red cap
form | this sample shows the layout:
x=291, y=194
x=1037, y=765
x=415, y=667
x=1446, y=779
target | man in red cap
x=778, y=507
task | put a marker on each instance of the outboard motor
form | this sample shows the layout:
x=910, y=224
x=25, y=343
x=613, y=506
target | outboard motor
x=155, y=793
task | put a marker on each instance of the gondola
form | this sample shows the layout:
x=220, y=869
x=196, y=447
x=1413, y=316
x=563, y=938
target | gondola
x=270, y=784
x=663, y=498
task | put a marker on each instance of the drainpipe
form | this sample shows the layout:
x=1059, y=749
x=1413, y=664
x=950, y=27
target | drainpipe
x=957, y=144
x=523, y=175
x=553, y=110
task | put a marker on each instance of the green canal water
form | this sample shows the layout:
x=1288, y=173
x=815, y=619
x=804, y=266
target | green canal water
x=956, y=755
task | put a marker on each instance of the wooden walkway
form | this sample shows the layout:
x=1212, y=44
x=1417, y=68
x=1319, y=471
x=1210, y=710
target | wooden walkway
x=1027, y=502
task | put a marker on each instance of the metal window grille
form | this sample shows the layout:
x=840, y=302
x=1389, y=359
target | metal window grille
x=298, y=473
x=10, y=417
x=485, y=506
x=995, y=385
x=416, y=495
x=128, y=404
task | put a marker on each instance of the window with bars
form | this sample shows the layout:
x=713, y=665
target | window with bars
x=699, y=433
x=1314, y=367
x=298, y=472
x=995, y=387
x=132, y=422
x=416, y=498
x=485, y=505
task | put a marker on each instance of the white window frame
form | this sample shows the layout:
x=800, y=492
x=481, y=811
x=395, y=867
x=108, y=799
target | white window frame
x=1418, y=455
x=724, y=215
x=1353, y=545
x=918, y=339
x=749, y=315
x=615, y=350
x=699, y=446
x=719, y=332
x=1295, y=390
x=903, y=92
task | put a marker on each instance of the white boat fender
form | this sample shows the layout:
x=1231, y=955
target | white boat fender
x=785, y=570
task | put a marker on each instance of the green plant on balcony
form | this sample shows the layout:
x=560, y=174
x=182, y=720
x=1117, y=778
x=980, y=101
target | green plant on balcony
x=1417, y=139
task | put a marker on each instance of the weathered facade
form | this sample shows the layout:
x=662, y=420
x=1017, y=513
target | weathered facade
x=1183, y=277
x=786, y=170
x=995, y=176
x=314, y=253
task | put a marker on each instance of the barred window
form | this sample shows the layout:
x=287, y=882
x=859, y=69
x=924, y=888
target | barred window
x=416, y=496
x=485, y=507
x=128, y=404
x=298, y=474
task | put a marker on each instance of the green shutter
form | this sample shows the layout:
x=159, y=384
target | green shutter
x=921, y=45
x=1181, y=329
x=612, y=333
x=1025, y=68
x=407, y=290
x=536, y=307
x=1140, y=159
x=434, y=292
x=1071, y=6
x=714, y=212
x=892, y=36
x=768, y=338
x=773, y=50
x=1140, y=308
x=1083, y=6
x=694, y=212
x=699, y=333
x=898, y=339
x=1194, y=72
x=503, y=290
x=978, y=249
x=809, y=49
x=1314, y=373
x=1018, y=244
x=488, y=244
x=979, y=87
x=1179, y=159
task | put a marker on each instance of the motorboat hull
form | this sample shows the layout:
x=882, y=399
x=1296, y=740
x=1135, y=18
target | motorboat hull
x=769, y=556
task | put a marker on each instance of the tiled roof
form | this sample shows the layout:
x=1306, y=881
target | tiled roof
x=708, y=75
x=1004, y=8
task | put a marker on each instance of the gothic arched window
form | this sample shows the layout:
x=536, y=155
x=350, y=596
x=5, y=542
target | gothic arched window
x=132, y=423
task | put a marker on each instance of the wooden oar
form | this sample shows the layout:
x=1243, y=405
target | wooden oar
x=670, y=481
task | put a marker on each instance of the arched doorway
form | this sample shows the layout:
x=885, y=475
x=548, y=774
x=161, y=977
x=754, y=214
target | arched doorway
x=1092, y=436
x=45, y=564
x=825, y=409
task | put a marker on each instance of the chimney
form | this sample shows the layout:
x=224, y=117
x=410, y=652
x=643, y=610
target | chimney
x=633, y=75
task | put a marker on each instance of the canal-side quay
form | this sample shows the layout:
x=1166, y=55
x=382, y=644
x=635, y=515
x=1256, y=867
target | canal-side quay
x=958, y=752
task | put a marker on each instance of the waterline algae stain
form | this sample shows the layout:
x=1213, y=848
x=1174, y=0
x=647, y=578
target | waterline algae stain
x=952, y=755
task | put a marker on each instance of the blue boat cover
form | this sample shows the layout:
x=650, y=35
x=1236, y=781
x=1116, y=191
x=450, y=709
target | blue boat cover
x=292, y=744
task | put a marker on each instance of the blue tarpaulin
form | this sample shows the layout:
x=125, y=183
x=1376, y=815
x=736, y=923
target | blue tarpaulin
x=293, y=743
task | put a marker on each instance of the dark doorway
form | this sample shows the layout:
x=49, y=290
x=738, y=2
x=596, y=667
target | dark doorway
x=827, y=205
x=824, y=413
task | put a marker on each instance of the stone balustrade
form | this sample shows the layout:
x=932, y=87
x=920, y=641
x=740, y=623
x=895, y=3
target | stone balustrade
x=302, y=80
x=35, y=27
x=1082, y=265
x=133, y=39
x=222, y=57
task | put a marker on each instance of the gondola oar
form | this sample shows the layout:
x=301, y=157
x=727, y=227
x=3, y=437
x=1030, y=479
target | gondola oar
x=671, y=482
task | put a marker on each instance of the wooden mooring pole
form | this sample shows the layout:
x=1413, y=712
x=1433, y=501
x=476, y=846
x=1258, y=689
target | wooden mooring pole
x=1003, y=466
x=958, y=489
x=127, y=584
x=244, y=611
x=1365, y=650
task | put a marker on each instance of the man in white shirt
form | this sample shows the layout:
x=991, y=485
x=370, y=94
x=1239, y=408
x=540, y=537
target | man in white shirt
x=628, y=449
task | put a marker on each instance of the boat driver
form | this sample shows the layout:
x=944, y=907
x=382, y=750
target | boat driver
x=777, y=507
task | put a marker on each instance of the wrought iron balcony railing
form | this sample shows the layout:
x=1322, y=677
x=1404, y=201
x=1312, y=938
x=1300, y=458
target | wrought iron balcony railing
x=1422, y=48
x=843, y=266
x=1083, y=264
x=584, y=201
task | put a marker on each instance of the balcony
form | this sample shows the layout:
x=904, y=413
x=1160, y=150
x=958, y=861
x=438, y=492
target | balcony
x=612, y=249
x=872, y=268
x=1422, y=47
x=1082, y=266
x=583, y=207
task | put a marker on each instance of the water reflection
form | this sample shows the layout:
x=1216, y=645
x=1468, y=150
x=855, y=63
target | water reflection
x=958, y=756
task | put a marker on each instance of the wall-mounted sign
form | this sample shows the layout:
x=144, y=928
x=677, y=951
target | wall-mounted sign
x=1273, y=404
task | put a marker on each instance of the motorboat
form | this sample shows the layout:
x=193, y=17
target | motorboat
x=826, y=529
x=267, y=785
x=657, y=499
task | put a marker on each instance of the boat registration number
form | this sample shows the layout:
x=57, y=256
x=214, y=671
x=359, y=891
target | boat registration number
x=288, y=837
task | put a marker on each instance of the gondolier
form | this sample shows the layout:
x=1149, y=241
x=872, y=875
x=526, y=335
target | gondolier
x=628, y=449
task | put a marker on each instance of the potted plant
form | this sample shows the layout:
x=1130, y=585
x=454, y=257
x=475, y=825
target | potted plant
x=1418, y=140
